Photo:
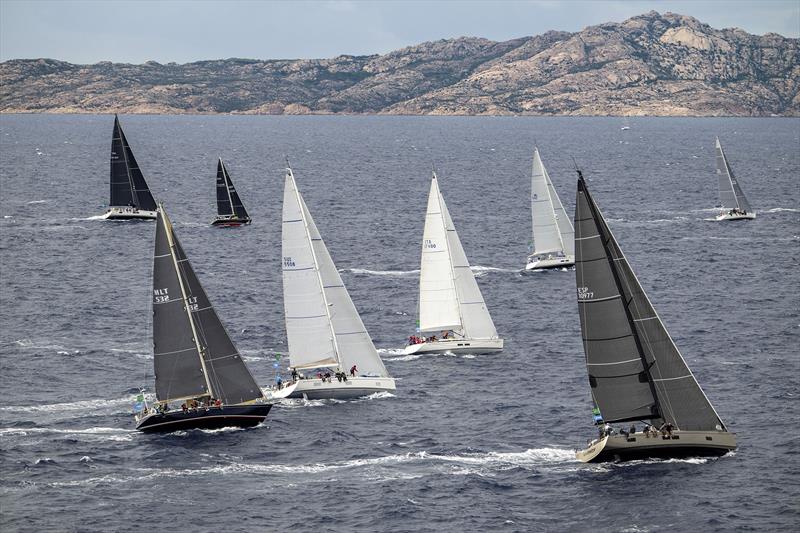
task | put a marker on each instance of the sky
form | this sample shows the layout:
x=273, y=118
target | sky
x=88, y=31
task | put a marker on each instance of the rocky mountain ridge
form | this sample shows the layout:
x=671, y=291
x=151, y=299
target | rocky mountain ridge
x=652, y=64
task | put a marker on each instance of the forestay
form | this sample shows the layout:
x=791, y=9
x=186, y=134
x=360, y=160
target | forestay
x=332, y=333
x=730, y=193
x=194, y=356
x=128, y=187
x=438, y=300
x=635, y=370
x=546, y=236
x=228, y=201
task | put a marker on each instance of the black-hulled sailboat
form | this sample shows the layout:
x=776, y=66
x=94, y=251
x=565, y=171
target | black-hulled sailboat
x=201, y=380
x=130, y=196
x=636, y=372
x=230, y=211
x=732, y=200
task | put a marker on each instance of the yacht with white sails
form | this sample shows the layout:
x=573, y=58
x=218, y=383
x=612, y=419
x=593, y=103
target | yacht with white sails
x=450, y=302
x=552, y=230
x=636, y=373
x=731, y=198
x=130, y=196
x=323, y=327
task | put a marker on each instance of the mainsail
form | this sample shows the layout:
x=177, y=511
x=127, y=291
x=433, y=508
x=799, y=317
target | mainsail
x=194, y=356
x=128, y=187
x=323, y=326
x=635, y=370
x=449, y=297
x=552, y=230
x=730, y=194
x=228, y=201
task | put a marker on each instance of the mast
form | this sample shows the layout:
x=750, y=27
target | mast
x=186, y=303
x=316, y=268
x=618, y=282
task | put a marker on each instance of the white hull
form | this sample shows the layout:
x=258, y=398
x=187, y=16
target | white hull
x=729, y=216
x=556, y=262
x=456, y=346
x=316, y=389
x=128, y=213
x=640, y=446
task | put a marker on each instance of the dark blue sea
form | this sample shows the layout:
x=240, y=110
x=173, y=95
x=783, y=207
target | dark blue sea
x=468, y=443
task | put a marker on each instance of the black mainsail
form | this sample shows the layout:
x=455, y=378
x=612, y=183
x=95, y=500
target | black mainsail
x=128, y=187
x=194, y=356
x=228, y=201
x=730, y=193
x=635, y=370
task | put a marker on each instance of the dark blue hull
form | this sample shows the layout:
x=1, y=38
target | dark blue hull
x=206, y=418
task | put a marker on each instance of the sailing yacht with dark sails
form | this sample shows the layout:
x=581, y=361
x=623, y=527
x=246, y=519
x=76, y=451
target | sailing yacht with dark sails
x=230, y=211
x=552, y=230
x=636, y=372
x=130, y=196
x=731, y=198
x=323, y=327
x=200, y=377
x=450, y=302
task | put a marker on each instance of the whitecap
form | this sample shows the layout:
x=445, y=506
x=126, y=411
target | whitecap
x=365, y=271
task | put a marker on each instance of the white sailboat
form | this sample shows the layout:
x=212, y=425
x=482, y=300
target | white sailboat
x=323, y=327
x=450, y=302
x=731, y=198
x=552, y=230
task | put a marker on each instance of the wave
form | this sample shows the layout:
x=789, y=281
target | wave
x=84, y=405
x=782, y=210
x=96, y=433
x=34, y=202
x=390, y=351
x=479, y=268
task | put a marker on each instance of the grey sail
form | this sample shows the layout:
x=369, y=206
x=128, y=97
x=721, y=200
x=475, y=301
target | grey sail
x=128, y=187
x=222, y=372
x=730, y=193
x=635, y=370
x=228, y=201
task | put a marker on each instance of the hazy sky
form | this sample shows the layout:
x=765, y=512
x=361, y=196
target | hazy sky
x=181, y=31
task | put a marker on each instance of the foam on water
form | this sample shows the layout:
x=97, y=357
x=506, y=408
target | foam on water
x=365, y=271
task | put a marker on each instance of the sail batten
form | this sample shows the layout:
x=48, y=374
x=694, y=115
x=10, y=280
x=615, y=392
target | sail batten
x=618, y=322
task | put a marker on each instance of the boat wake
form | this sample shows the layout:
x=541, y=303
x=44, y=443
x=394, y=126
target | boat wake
x=366, y=272
x=92, y=433
x=97, y=406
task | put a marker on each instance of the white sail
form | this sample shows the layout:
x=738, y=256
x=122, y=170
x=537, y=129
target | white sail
x=331, y=332
x=438, y=301
x=476, y=323
x=565, y=229
x=308, y=325
x=546, y=236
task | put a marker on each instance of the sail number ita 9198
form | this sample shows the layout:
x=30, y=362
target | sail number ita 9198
x=428, y=244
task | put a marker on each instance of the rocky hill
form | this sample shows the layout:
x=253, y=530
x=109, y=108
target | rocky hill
x=651, y=64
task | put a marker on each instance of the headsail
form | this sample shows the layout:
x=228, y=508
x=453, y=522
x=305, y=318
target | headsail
x=194, y=356
x=546, y=234
x=438, y=299
x=128, y=187
x=565, y=229
x=635, y=370
x=476, y=323
x=228, y=201
x=730, y=193
x=322, y=323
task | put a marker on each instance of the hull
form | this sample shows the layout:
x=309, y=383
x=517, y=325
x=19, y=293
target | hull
x=638, y=446
x=316, y=389
x=205, y=418
x=128, y=213
x=456, y=346
x=229, y=222
x=739, y=216
x=556, y=262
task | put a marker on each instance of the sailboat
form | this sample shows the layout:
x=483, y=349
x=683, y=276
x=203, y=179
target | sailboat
x=552, y=229
x=731, y=198
x=450, y=302
x=195, y=360
x=230, y=211
x=636, y=372
x=130, y=196
x=323, y=327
